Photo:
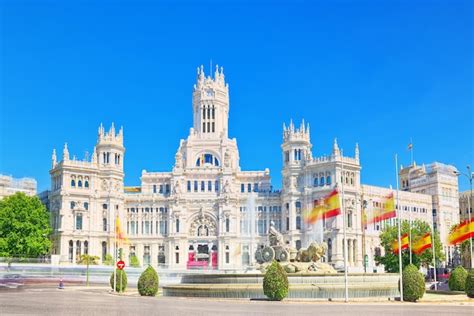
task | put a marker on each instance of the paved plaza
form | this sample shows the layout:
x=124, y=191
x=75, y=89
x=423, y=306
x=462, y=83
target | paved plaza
x=96, y=301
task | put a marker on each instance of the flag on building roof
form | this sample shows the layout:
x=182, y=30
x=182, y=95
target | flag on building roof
x=461, y=232
x=119, y=233
x=386, y=212
x=327, y=208
x=405, y=242
x=422, y=244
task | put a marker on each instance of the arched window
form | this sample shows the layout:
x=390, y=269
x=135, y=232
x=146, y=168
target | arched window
x=349, y=219
x=298, y=222
x=78, y=250
x=227, y=225
x=71, y=250
x=104, y=224
x=328, y=180
x=86, y=206
x=104, y=250
x=329, y=250
x=79, y=183
x=86, y=184
x=298, y=244
x=207, y=159
x=321, y=181
x=73, y=205
x=73, y=183
x=86, y=247
x=315, y=182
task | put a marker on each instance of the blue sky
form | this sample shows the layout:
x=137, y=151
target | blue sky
x=373, y=72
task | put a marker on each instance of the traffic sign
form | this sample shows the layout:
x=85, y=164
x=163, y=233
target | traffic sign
x=120, y=265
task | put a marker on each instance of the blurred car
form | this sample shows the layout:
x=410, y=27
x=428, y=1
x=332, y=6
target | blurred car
x=12, y=281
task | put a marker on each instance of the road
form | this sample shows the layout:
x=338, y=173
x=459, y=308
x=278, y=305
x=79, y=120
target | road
x=51, y=301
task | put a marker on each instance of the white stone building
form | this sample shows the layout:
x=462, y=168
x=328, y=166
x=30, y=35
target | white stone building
x=207, y=212
x=10, y=185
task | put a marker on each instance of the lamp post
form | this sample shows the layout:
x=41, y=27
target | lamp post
x=470, y=176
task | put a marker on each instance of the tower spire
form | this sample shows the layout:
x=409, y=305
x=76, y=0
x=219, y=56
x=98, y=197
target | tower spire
x=65, y=152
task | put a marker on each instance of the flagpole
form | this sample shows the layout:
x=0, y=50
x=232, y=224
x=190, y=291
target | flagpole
x=115, y=250
x=346, y=288
x=434, y=256
x=397, y=208
x=409, y=233
x=411, y=150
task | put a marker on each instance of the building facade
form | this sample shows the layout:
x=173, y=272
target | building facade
x=207, y=213
x=10, y=186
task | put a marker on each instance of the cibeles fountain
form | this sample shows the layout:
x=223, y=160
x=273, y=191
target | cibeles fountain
x=308, y=276
x=304, y=260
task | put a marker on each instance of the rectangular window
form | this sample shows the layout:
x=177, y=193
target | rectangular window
x=167, y=189
x=249, y=187
x=79, y=221
x=287, y=223
x=242, y=188
x=195, y=186
x=204, y=127
x=208, y=127
x=213, y=127
x=216, y=186
x=255, y=187
x=154, y=188
x=203, y=186
x=227, y=257
x=189, y=186
x=177, y=257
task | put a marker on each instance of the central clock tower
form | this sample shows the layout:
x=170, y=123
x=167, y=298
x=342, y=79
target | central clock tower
x=211, y=105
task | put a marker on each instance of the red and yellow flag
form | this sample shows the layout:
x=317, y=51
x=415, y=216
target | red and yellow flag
x=405, y=242
x=461, y=232
x=329, y=207
x=388, y=211
x=120, y=234
x=422, y=244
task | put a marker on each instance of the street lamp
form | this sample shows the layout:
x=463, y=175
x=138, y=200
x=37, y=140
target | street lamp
x=470, y=176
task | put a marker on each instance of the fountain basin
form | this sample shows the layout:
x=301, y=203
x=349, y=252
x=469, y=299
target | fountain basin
x=323, y=286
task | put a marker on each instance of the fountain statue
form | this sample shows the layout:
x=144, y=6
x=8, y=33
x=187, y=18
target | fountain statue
x=293, y=261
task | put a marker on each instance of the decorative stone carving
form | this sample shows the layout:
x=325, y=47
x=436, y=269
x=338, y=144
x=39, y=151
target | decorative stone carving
x=305, y=260
x=203, y=226
x=227, y=159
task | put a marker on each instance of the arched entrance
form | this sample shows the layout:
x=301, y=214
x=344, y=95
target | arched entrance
x=202, y=249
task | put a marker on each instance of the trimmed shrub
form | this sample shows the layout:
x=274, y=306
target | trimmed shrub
x=275, y=282
x=148, y=282
x=108, y=260
x=120, y=286
x=413, y=284
x=457, y=279
x=470, y=284
x=134, y=262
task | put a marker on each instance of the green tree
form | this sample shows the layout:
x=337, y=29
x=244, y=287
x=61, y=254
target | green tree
x=120, y=279
x=134, y=262
x=418, y=229
x=88, y=259
x=108, y=260
x=148, y=282
x=24, y=227
x=275, y=282
x=413, y=284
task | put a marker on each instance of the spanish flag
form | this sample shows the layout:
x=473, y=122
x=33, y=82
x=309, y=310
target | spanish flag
x=461, y=232
x=405, y=242
x=422, y=244
x=388, y=211
x=122, y=238
x=329, y=207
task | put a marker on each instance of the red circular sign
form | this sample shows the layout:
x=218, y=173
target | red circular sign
x=120, y=265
